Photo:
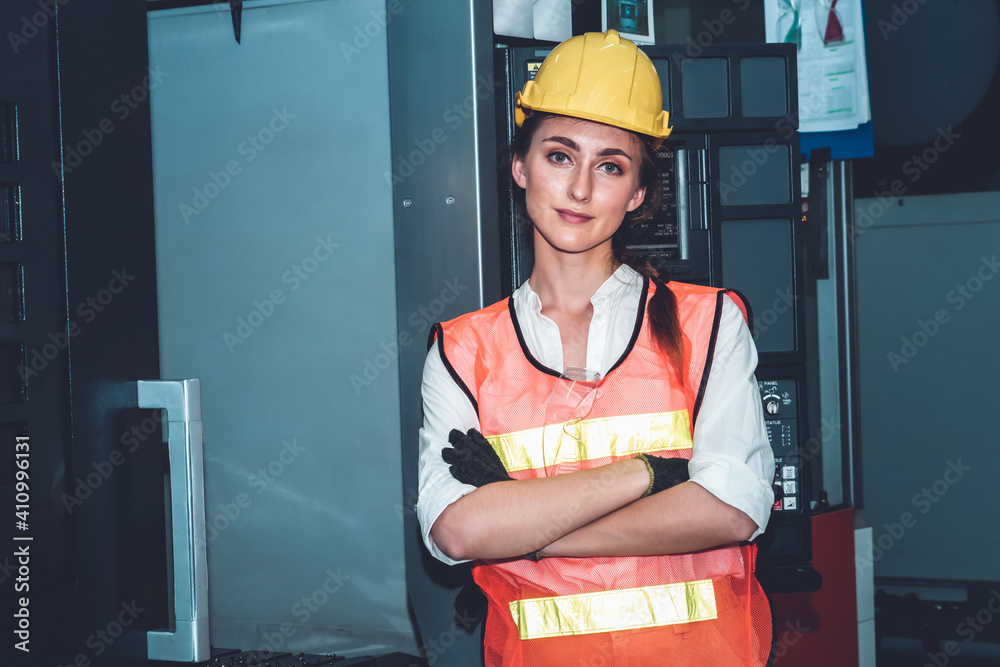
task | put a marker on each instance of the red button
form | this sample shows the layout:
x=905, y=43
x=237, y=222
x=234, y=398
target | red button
x=776, y=505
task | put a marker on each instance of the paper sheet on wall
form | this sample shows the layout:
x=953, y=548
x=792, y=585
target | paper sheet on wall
x=833, y=77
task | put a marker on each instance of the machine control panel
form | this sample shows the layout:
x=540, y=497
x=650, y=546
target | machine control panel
x=779, y=399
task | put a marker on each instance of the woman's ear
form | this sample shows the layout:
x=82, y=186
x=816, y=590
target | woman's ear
x=637, y=198
x=517, y=171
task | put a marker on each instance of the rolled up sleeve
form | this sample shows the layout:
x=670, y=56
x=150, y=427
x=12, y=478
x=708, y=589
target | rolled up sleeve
x=445, y=407
x=732, y=458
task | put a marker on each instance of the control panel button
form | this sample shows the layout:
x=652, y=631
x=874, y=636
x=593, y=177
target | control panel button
x=789, y=503
x=789, y=488
x=776, y=505
x=788, y=472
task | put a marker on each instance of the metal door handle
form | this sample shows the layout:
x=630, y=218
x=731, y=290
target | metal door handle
x=188, y=642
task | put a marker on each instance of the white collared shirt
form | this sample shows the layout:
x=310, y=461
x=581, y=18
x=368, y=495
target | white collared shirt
x=731, y=455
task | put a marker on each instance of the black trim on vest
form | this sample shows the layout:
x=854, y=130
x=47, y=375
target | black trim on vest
x=524, y=346
x=439, y=330
x=639, y=317
x=746, y=305
x=436, y=330
x=709, y=355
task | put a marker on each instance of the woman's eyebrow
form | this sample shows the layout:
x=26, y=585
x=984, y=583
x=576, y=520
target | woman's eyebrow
x=614, y=151
x=566, y=141
x=569, y=143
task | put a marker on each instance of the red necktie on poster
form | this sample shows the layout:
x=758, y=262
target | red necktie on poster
x=834, y=31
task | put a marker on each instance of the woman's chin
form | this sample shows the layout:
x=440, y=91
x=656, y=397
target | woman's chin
x=572, y=248
x=571, y=242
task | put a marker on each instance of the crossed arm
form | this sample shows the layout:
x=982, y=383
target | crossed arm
x=591, y=512
x=596, y=512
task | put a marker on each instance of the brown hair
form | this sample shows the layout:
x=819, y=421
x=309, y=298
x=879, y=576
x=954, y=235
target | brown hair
x=662, y=309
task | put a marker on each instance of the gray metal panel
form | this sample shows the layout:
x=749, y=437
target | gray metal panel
x=768, y=80
x=442, y=92
x=928, y=381
x=830, y=293
x=705, y=87
x=764, y=277
x=278, y=293
x=764, y=181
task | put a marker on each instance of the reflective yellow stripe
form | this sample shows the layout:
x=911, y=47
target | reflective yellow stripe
x=593, y=439
x=607, y=611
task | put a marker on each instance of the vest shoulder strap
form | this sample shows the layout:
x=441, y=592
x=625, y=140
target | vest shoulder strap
x=466, y=334
x=744, y=306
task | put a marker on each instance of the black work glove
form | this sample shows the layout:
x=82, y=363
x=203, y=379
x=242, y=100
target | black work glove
x=664, y=473
x=472, y=460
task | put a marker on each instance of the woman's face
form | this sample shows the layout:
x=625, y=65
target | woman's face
x=580, y=179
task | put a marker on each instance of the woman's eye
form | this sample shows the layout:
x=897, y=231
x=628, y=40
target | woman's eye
x=560, y=158
x=611, y=168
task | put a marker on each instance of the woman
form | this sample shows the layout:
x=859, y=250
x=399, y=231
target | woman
x=628, y=562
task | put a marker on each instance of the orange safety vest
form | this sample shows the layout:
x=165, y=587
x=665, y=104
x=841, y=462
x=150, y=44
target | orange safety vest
x=703, y=608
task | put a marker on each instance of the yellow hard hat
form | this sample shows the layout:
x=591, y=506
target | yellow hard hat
x=600, y=77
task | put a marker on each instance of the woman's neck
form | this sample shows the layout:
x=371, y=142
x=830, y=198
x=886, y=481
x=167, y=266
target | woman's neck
x=566, y=282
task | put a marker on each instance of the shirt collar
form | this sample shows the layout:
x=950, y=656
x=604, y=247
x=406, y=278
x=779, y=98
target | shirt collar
x=622, y=281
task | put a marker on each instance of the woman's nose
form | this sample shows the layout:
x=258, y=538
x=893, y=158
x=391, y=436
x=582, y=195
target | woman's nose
x=580, y=185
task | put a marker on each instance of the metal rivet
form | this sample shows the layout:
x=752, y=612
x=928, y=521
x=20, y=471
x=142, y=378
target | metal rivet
x=450, y=201
x=407, y=203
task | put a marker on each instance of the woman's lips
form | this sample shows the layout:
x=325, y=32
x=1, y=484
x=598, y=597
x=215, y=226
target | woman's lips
x=572, y=216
